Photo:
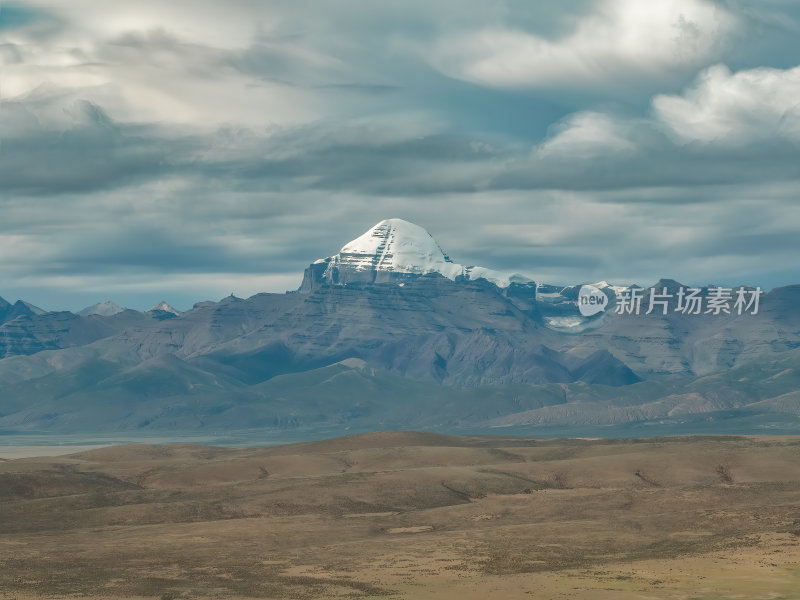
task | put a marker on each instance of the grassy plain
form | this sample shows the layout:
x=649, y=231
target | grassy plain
x=408, y=515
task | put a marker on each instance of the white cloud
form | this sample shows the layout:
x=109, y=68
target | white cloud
x=159, y=197
x=586, y=134
x=720, y=108
x=200, y=63
x=736, y=108
x=622, y=40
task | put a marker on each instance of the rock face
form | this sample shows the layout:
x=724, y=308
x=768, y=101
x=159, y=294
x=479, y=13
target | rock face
x=30, y=334
x=9, y=312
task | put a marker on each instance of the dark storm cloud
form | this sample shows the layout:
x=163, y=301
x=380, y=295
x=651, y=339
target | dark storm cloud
x=148, y=249
x=250, y=139
x=94, y=153
x=90, y=153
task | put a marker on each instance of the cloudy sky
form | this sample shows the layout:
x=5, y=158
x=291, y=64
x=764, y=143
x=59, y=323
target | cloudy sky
x=186, y=150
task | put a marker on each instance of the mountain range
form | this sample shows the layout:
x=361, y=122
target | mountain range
x=390, y=332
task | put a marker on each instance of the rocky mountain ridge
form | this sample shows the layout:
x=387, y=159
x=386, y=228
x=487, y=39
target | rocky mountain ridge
x=389, y=307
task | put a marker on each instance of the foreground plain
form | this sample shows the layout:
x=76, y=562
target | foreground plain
x=408, y=515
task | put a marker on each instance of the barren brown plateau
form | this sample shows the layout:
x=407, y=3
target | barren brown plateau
x=408, y=515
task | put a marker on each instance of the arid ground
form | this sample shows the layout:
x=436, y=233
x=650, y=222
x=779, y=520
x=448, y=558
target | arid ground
x=408, y=515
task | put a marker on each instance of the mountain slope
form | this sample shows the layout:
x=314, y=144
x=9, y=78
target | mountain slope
x=31, y=333
x=434, y=341
x=166, y=394
x=9, y=312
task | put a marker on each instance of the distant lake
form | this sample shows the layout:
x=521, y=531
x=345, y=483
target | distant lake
x=23, y=444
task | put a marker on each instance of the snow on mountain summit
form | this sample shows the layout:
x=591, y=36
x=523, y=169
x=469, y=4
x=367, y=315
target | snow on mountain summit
x=397, y=245
x=163, y=307
x=394, y=248
x=104, y=309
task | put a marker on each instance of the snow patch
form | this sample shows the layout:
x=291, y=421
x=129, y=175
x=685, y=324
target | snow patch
x=563, y=322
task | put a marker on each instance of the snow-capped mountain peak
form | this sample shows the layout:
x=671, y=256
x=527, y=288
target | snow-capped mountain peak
x=392, y=250
x=396, y=245
x=104, y=309
x=164, y=307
